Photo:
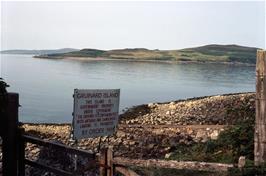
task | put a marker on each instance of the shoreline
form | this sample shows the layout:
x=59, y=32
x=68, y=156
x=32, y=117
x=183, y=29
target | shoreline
x=149, y=104
x=144, y=132
x=176, y=123
x=143, y=60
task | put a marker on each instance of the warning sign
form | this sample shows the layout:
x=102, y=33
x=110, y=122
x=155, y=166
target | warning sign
x=95, y=112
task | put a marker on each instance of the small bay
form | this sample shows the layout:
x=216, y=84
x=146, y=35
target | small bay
x=46, y=86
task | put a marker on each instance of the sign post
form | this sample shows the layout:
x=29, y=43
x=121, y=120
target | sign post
x=95, y=112
x=260, y=121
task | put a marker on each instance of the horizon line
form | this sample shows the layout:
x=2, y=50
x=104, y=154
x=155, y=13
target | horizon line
x=232, y=44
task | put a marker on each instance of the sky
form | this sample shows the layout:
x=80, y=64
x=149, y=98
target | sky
x=112, y=25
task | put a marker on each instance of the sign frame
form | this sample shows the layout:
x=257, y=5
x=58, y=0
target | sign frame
x=95, y=112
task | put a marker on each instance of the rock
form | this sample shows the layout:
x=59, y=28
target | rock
x=189, y=131
x=164, y=142
x=204, y=140
x=150, y=146
x=121, y=134
x=173, y=142
x=168, y=123
x=132, y=143
x=214, y=135
x=35, y=150
x=172, y=106
x=167, y=113
x=172, y=112
x=119, y=140
x=152, y=105
x=215, y=120
x=167, y=149
x=201, y=134
x=168, y=155
x=241, y=161
x=252, y=100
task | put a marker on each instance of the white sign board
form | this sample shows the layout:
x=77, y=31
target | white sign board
x=95, y=112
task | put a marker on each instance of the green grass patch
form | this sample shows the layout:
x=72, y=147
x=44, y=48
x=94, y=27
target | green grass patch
x=232, y=143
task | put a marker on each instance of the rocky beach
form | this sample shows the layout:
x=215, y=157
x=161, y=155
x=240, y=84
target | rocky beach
x=154, y=130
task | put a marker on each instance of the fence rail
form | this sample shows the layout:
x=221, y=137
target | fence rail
x=121, y=164
x=47, y=168
x=62, y=147
x=54, y=146
x=192, y=165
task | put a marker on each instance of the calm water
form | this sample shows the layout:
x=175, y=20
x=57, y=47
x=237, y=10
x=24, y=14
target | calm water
x=46, y=86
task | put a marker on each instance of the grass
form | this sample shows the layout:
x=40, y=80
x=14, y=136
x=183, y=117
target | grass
x=232, y=143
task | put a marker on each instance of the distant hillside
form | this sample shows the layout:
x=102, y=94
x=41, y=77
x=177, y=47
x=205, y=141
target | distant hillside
x=225, y=53
x=208, y=53
x=80, y=53
x=38, y=52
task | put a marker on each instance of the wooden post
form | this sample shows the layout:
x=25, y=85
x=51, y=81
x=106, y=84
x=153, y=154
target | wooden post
x=125, y=171
x=106, y=162
x=10, y=125
x=102, y=162
x=110, y=170
x=260, y=121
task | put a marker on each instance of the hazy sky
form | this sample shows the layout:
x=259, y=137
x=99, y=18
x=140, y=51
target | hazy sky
x=110, y=25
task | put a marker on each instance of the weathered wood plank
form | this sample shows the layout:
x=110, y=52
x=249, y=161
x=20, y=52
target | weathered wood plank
x=48, y=168
x=109, y=162
x=125, y=171
x=261, y=62
x=260, y=120
x=260, y=112
x=203, y=166
x=102, y=162
x=61, y=147
x=260, y=86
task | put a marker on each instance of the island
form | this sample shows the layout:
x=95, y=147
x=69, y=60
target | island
x=209, y=53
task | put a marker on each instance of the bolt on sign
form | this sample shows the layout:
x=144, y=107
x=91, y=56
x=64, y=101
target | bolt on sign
x=95, y=112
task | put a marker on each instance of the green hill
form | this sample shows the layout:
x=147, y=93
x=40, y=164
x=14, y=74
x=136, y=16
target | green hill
x=225, y=53
x=208, y=53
